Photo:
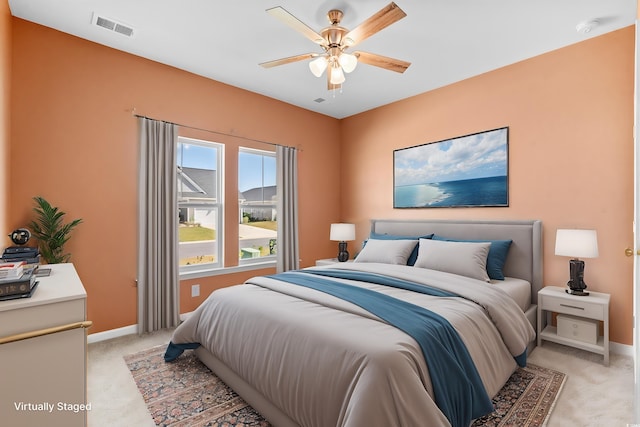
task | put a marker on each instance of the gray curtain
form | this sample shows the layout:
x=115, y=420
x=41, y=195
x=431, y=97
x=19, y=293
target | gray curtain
x=158, y=293
x=287, y=181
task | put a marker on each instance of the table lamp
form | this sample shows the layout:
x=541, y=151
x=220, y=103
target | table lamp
x=342, y=233
x=577, y=244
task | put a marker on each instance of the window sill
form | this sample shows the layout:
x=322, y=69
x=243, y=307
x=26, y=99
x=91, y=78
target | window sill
x=196, y=274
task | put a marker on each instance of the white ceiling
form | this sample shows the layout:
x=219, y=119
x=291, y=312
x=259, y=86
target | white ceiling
x=445, y=40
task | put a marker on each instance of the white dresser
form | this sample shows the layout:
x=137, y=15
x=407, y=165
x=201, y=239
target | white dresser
x=43, y=353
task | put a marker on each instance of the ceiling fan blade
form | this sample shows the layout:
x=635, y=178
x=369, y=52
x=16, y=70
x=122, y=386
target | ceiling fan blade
x=288, y=60
x=284, y=16
x=331, y=86
x=378, y=21
x=382, y=61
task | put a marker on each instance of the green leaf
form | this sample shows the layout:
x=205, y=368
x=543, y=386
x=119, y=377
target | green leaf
x=51, y=232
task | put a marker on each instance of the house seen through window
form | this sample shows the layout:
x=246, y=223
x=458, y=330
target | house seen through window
x=257, y=205
x=200, y=203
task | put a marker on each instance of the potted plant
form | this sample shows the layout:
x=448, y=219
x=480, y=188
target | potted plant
x=51, y=232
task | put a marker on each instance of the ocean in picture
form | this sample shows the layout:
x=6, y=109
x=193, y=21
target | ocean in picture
x=489, y=191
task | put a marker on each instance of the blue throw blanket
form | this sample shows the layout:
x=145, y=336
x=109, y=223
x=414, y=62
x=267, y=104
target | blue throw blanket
x=457, y=386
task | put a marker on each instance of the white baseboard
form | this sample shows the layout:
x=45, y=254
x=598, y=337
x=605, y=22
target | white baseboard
x=120, y=332
x=112, y=333
x=621, y=349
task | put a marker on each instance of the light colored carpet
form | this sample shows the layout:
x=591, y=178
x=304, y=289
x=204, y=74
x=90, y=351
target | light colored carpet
x=593, y=395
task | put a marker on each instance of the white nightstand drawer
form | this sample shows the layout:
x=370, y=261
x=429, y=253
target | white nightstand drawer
x=578, y=328
x=577, y=308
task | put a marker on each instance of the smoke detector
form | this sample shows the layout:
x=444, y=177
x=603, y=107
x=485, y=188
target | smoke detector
x=586, y=27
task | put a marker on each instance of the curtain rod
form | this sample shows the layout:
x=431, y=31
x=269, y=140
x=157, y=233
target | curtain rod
x=133, y=112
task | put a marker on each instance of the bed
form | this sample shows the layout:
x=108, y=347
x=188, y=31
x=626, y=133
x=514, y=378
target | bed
x=336, y=346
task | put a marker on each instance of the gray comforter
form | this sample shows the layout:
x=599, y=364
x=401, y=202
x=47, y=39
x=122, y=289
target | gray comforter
x=327, y=362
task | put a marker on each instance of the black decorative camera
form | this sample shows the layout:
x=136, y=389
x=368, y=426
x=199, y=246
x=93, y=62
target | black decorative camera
x=20, y=236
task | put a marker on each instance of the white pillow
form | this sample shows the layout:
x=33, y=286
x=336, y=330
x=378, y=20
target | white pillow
x=464, y=258
x=386, y=251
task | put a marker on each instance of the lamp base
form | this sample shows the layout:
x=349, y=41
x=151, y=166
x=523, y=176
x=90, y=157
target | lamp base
x=577, y=292
x=343, y=254
x=576, y=283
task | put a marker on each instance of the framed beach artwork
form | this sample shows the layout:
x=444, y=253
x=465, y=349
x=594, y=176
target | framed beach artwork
x=465, y=171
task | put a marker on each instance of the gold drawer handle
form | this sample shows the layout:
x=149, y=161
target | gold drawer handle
x=33, y=334
x=629, y=252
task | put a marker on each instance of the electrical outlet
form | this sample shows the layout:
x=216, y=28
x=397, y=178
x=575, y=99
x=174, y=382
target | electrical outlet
x=195, y=290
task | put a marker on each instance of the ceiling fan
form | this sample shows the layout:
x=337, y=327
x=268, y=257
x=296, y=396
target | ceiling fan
x=335, y=40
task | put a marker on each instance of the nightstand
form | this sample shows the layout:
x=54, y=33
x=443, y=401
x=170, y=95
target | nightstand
x=595, y=306
x=328, y=261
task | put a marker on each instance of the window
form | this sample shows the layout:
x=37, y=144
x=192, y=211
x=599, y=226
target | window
x=257, y=194
x=200, y=204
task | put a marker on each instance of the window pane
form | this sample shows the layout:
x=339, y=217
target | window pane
x=198, y=202
x=196, y=155
x=197, y=174
x=198, y=237
x=257, y=200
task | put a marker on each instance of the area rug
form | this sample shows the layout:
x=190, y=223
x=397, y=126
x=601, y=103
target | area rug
x=187, y=393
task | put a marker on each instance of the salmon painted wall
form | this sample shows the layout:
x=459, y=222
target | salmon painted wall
x=73, y=131
x=5, y=91
x=570, y=117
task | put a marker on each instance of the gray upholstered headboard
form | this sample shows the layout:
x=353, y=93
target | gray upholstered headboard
x=524, y=260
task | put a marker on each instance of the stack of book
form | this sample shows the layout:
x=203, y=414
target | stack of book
x=16, y=281
x=11, y=270
x=21, y=253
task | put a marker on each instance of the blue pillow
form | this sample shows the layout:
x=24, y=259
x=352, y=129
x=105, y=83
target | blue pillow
x=414, y=254
x=497, y=254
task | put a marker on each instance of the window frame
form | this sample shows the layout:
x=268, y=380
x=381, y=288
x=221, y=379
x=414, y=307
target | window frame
x=267, y=258
x=219, y=205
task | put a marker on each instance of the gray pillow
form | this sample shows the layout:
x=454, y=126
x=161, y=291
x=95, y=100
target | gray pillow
x=462, y=258
x=386, y=251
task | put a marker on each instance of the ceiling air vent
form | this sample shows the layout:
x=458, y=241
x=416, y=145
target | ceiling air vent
x=112, y=25
x=123, y=29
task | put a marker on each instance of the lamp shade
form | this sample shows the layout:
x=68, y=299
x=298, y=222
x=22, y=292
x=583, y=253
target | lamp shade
x=577, y=243
x=318, y=65
x=342, y=232
x=348, y=62
x=337, y=76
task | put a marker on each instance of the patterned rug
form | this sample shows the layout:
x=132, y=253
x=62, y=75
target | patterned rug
x=187, y=393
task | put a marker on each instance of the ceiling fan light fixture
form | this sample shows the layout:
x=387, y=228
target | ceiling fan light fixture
x=348, y=62
x=337, y=76
x=335, y=39
x=318, y=65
